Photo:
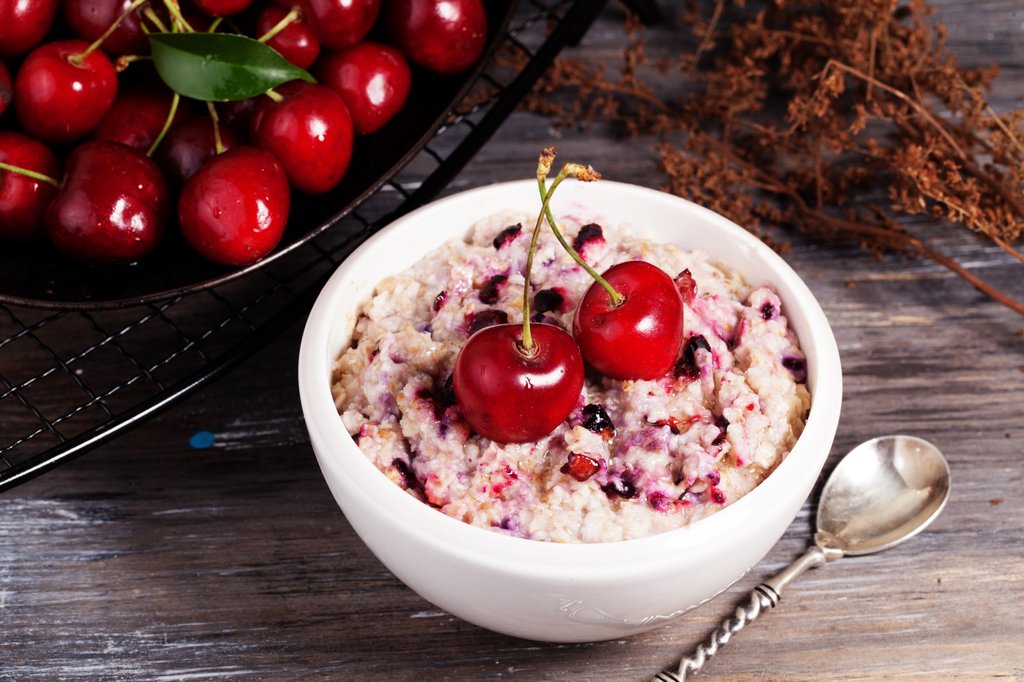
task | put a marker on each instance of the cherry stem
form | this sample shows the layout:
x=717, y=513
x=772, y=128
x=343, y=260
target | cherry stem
x=215, y=24
x=29, y=174
x=218, y=146
x=77, y=59
x=167, y=125
x=125, y=60
x=587, y=174
x=527, y=344
x=294, y=15
x=176, y=16
x=274, y=95
x=155, y=20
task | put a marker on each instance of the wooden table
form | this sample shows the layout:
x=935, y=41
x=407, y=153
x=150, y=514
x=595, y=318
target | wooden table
x=152, y=559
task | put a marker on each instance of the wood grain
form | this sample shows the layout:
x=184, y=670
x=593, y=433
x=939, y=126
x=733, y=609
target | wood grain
x=149, y=559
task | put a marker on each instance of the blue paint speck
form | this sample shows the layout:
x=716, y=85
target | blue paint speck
x=201, y=440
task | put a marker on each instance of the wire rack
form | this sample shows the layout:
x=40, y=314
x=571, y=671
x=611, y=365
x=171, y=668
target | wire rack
x=71, y=380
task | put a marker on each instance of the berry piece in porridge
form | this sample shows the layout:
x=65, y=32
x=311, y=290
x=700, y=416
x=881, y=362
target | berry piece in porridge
x=596, y=419
x=507, y=236
x=547, y=300
x=485, y=318
x=580, y=467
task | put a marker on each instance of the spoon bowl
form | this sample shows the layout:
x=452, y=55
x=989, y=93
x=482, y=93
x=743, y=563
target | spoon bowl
x=883, y=492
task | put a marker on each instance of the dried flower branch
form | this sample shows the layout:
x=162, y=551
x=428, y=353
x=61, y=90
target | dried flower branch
x=839, y=118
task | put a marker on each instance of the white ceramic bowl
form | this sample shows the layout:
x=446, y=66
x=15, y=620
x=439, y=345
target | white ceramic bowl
x=547, y=591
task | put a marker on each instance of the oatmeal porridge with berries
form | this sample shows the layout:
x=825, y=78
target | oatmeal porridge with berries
x=634, y=458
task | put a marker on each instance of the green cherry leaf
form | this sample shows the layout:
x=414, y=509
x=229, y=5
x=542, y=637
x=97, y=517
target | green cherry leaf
x=220, y=67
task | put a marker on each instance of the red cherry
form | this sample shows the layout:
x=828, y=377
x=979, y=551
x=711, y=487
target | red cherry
x=262, y=104
x=221, y=8
x=112, y=207
x=296, y=42
x=512, y=397
x=23, y=200
x=136, y=118
x=445, y=36
x=6, y=92
x=59, y=101
x=235, y=114
x=339, y=24
x=89, y=19
x=189, y=145
x=310, y=132
x=234, y=210
x=639, y=338
x=25, y=23
x=373, y=79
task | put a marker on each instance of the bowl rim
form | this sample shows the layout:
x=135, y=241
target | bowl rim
x=531, y=557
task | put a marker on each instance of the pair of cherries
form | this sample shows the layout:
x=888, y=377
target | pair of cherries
x=516, y=383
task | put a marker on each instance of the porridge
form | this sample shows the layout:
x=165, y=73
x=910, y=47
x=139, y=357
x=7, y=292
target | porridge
x=633, y=458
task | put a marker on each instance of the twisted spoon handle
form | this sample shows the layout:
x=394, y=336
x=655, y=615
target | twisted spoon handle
x=765, y=596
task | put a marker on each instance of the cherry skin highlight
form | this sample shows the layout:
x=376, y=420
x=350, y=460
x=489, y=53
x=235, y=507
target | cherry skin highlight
x=310, y=132
x=339, y=24
x=444, y=36
x=234, y=210
x=23, y=200
x=25, y=23
x=641, y=337
x=373, y=80
x=59, y=101
x=112, y=207
x=511, y=396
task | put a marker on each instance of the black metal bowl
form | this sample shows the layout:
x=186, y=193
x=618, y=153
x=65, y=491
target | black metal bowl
x=38, y=275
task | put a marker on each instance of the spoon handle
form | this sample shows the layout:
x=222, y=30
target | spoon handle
x=765, y=596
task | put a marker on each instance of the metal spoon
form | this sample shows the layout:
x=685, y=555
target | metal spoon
x=883, y=492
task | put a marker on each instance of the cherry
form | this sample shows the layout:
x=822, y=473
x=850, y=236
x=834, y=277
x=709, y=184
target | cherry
x=136, y=118
x=310, y=132
x=89, y=19
x=191, y=144
x=296, y=42
x=629, y=323
x=512, y=395
x=639, y=337
x=23, y=199
x=517, y=383
x=221, y=8
x=373, y=79
x=235, y=114
x=60, y=95
x=234, y=210
x=254, y=114
x=112, y=207
x=340, y=23
x=25, y=23
x=6, y=93
x=445, y=36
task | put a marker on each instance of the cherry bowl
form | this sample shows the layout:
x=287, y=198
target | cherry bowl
x=548, y=591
